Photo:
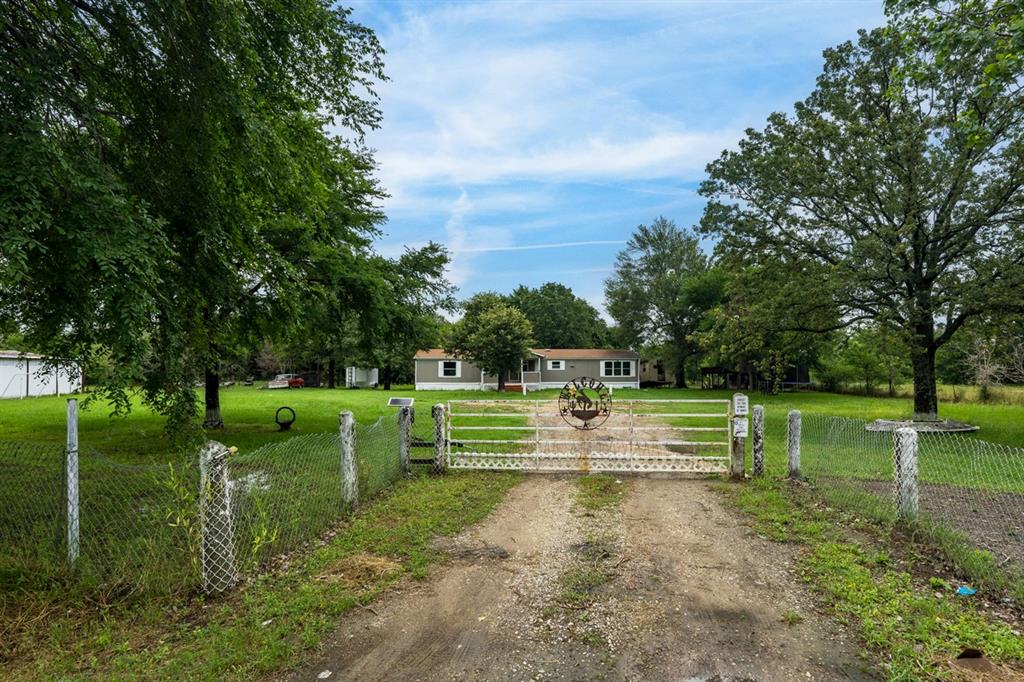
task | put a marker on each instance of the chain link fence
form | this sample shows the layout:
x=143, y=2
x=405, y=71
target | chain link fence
x=967, y=494
x=203, y=519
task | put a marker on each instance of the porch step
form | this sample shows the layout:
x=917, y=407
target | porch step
x=513, y=388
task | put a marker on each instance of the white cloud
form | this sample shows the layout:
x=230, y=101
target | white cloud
x=534, y=247
x=555, y=91
x=656, y=155
x=510, y=124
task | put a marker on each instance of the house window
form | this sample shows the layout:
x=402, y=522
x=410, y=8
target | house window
x=617, y=368
x=451, y=368
x=556, y=364
x=530, y=365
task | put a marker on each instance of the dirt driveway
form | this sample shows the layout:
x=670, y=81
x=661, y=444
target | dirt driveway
x=684, y=592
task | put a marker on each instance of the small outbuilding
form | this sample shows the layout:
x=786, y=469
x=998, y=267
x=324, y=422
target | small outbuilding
x=26, y=375
x=361, y=377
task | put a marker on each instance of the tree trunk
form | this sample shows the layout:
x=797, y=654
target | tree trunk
x=332, y=371
x=501, y=380
x=681, y=374
x=212, y=398
x=926, y=401
x=387, y=377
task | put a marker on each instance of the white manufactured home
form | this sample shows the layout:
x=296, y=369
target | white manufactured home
x=26, y=375
x=544, y=368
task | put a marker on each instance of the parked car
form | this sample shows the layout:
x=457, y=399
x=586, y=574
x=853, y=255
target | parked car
x=287, y=381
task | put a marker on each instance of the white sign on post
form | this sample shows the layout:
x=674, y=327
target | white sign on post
x=740, y=405
x=740, y=427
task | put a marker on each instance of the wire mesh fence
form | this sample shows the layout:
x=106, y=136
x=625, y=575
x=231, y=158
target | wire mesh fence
x=286, y=493
x=283, y=494
x=202, y=519
x=968, y=494
x=31, y=507
x=133, y=530
x=850, y=466
x=378, y=464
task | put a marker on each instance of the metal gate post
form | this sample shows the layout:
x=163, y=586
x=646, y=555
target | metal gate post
x=217, y=546
x=793, y=443
x=347, y=461
x=71, y=481
x=736, y=442
x=440, y=439
x=757, y=445
x=905, y=456
x=404, y=437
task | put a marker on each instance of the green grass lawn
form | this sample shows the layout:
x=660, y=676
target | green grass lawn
x=249, y=414
x=138, y=441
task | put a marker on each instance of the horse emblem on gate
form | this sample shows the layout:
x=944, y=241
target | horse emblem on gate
x=585, y=403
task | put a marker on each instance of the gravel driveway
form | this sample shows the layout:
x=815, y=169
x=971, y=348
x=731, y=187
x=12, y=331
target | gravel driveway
x=689, y=594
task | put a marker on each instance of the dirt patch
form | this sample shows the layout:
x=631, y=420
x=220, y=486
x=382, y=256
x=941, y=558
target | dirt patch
x=991, y=519
x=687, y=593
x=359, y=570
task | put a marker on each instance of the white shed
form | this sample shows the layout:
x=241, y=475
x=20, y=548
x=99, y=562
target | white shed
x=24, y=375
x=364, y=377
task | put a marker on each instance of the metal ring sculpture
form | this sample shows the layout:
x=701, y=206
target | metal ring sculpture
x=585, y=403
x=284, y=424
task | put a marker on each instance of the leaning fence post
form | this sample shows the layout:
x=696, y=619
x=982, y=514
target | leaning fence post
x=757, y=445
x=404, y=437
x=217, y=548
x=905, y=455
x=349, y=469
x=71, y=481
x=793, y=443
x=440, y=462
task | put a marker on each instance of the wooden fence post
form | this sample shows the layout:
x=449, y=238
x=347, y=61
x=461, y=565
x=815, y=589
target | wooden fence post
x=757, y=446
x=440, y=439
x=905, y=457
x=349, y=468
x=404, y=437
x=71, y=481
x=793, y=443
x=217, y=545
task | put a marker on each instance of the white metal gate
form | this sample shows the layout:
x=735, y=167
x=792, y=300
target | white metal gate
x=639, y=435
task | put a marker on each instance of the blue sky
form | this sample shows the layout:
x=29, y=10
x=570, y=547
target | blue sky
x=531, y=138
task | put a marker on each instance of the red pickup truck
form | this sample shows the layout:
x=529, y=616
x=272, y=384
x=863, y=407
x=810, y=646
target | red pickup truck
x=287, y=381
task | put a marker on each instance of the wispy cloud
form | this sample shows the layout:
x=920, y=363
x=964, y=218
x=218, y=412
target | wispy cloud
x=508, y=123
x=533, y=247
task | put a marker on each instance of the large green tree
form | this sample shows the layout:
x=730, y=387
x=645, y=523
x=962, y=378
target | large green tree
x=80, y=252
x=408, y=309
x=663, y=286
x=199, y=166
x=560, y=318
x=492, y=334
x=740, y=332
x=894, y=193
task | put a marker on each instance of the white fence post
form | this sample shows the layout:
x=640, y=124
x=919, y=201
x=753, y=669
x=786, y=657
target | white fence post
x=217, y=546
x=349, y=468
x=793, y=443
x=905, y=455
x=440, y=438
x=757, y=446
x=404, y=437
x=71, y=481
